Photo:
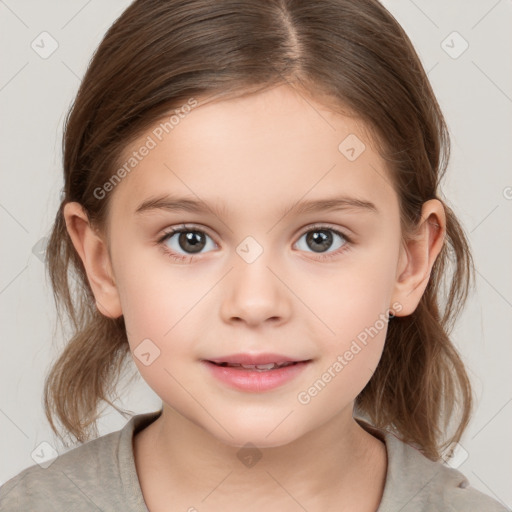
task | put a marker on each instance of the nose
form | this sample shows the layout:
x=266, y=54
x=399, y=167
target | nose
x=255, y=293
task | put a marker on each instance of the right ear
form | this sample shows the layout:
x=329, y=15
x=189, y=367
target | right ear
x=93, y=252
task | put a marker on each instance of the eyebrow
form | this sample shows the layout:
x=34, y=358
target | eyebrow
x=174, y=203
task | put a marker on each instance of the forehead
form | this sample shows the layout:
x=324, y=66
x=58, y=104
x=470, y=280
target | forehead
x=256, y=152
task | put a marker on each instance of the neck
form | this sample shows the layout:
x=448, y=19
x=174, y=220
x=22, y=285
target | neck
x=340, y=460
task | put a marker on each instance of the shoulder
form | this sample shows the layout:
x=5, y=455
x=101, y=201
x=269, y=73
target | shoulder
x=430, y=486
x=452, y=490
x=97, y=475
x=74, y=477
x=415, y=483
x=469, y=499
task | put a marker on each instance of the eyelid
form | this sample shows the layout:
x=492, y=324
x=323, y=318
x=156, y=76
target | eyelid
x=184, y=227
x=345, y=232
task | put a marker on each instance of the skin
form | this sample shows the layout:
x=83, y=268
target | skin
x=257, y=154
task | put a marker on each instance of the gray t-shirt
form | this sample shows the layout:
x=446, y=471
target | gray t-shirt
x=100, y=475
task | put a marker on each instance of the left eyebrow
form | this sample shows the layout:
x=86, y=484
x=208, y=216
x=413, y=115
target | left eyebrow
x=176, y=203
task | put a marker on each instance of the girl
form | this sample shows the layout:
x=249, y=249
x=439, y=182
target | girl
x=251, y=215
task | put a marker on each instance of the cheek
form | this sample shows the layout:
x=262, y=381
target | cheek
x=159, y=323
x=349, y=357
x=355, y=309
x=352, y=298
x=155, y=294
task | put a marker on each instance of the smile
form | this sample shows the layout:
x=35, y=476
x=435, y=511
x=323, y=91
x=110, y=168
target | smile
x=255, y=378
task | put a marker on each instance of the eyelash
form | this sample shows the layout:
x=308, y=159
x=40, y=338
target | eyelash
x=189, y=258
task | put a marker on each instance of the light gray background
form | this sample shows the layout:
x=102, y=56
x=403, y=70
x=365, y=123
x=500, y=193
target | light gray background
x=475, y=93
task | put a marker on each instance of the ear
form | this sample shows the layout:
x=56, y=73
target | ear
x=417, y=257
x=93, y=252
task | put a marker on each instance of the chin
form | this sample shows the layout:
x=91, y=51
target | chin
x=262, y=436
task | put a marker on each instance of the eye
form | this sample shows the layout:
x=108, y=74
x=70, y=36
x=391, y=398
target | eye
x=192, y=241
x=188, y=239
x=321, y=238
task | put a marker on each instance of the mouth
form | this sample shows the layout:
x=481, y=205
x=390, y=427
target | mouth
x=255, y=378
x=257, y=367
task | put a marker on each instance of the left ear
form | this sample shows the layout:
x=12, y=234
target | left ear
x=417, y=257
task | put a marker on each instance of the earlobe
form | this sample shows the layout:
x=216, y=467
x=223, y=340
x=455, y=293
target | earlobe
x=418, y=256
x=93, y=252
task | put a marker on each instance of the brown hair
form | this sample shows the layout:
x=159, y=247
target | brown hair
x=353, y=54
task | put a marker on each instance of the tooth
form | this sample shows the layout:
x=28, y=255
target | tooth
x=268, y=366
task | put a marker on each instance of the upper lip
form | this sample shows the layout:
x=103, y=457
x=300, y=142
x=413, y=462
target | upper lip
x=254, y=359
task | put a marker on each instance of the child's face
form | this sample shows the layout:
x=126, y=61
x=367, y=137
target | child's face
x=256, y=283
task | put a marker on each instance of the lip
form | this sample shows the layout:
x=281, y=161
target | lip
x=253, y=380
x=263, y=358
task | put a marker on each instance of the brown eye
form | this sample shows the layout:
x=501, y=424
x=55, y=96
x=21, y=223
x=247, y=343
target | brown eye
x=191, y=241
x=322, y=238
x=185, y=242
x=319, y=240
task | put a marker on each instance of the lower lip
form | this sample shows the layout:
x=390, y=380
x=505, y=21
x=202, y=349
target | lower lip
x=254, y=380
